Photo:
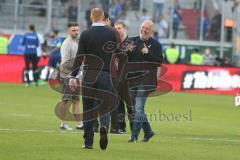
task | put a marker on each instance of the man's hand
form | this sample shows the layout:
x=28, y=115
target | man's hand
x=145, y=49
x=73, y=84
x=130, y=47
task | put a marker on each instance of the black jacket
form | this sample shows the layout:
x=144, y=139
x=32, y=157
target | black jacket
x=146, y=61
x=94, y=42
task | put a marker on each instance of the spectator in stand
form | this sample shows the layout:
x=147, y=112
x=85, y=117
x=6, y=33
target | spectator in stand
x=105, y=5
x=215, y=25
x=135, y=4
x=92, y=5
x=73, y=12
x=176, y=6
x=172, y=55
x=115, y=10
x=158, y=6
x=176, y=20
x=126, y=5
x=145, y=15
x=196, y=58
x=162, y=27
x=197, y=4
x=65, y=6
x=123, y=17
x=208, y=58
x=204, y=24
x=38, y=7
x=224, y=62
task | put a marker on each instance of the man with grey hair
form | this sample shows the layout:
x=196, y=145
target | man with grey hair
x=147, y=51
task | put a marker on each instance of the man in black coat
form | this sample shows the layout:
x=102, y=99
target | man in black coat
x=145, y=57
x=95, y=49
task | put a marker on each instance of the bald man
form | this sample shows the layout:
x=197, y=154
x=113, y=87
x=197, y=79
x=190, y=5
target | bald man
x=146, y=50
x=91, y=44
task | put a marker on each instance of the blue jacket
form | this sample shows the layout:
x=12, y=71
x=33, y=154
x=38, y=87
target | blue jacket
x=55, y=46
x=30, y=42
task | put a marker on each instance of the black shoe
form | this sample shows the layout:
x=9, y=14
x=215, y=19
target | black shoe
x=103, y=138
x=148, y=136
x=87, y=147
x=132, y=140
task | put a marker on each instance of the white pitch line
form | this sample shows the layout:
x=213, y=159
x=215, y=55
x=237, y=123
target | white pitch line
x=27, y=130
x=207, y=139
x=75, y=131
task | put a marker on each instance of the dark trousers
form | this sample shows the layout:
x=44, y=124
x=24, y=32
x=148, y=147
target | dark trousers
x=102, y=83
x=114, y=114
x=122, y=116
x=31, y=59
x=118, y=116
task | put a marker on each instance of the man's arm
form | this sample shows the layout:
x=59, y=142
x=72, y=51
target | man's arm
x=65, y=52
x=77, y=63
x=38, y=42
x=153, y=53
x=78, y=59
x=66, y=64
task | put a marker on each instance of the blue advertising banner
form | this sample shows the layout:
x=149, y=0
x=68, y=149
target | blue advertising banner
x=14, y=45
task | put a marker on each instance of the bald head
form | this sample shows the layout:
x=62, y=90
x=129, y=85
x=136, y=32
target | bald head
x=97, y=15
x=148, y=23
x=146, y=30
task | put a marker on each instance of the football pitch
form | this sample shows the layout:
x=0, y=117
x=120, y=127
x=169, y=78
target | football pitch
x=187, y=127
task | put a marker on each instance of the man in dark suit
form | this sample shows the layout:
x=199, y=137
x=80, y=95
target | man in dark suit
x=121, y=28
x=95, y=48
x=148, y=53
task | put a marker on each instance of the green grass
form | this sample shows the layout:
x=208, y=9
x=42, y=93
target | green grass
x=29, y=129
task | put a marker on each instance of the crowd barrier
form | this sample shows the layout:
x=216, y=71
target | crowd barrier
x=184, y=78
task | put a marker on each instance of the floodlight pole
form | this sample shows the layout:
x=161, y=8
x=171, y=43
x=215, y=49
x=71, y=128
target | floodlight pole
x=16, y=15
x=171, y=21
x=79, y=12
x=141, y=7
x=222, y=29
x=49, y=15
x=202, y=20
x=236, y=36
